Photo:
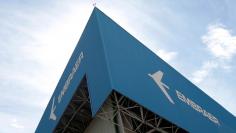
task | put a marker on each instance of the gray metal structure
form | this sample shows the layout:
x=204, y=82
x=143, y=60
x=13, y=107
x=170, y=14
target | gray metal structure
x=117, y=115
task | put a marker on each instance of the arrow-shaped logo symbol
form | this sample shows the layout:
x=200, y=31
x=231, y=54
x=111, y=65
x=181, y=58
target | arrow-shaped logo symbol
x=53, y=108
x=157, y=76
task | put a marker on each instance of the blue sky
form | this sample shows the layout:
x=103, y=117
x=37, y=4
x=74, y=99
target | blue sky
x=198, y=38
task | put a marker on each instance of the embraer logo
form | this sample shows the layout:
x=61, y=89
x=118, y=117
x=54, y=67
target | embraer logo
x=52, y=115
x=157, y=78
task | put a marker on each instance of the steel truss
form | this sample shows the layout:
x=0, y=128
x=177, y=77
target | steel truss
x=126, y=115
x=77, y=115
x=130, y=117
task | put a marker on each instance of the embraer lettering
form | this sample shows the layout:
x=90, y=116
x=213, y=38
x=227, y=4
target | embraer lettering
x=196, y=107
x=157, y=77
x=70, y=77
x=65, y=87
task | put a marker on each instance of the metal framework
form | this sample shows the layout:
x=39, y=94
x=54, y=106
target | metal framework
x=130, y=117
x=78, y=114
x=126, y=115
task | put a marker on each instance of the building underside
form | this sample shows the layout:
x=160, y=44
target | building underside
x=118, y=114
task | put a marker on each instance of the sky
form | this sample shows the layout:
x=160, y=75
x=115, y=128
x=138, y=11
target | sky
x=37, y=38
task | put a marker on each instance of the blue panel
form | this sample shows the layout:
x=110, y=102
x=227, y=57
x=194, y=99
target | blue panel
x=88, y=58
x=113, y=59
x=130, y=62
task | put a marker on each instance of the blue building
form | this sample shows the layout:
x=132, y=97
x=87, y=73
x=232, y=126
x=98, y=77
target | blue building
x=113, y=83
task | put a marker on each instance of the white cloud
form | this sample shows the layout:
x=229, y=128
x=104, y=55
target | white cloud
x=222, y=45
x=203, y=72
x=220, y=42
x=33, y=57
x=15, y=123
x=165, y=55
x=11, y=123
